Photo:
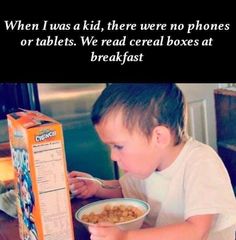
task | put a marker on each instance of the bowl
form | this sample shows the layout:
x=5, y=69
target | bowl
x=123, y=203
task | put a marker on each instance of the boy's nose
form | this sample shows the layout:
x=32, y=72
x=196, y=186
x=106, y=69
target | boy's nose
x=114, y=156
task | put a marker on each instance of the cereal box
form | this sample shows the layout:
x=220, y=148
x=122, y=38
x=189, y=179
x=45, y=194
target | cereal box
x=38, y=156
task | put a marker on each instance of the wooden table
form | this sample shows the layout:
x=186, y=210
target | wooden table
x=9, y=226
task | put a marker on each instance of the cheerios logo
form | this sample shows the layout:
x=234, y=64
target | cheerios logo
x=45, y=134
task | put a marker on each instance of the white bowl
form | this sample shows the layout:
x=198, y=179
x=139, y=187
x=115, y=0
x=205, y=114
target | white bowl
x=98, y=207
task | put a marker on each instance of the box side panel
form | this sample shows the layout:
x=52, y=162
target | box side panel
x=50, y=176
x=44, y=207
x=23, y=183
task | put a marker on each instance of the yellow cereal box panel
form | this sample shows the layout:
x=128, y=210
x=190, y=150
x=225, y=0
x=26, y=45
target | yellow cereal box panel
x=38, y=156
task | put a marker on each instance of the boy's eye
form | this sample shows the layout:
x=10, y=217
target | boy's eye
x=118, y=147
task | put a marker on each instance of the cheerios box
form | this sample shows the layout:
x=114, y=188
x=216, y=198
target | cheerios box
x=40, y=172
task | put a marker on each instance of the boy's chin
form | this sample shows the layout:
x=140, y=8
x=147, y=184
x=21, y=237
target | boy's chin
x=139, y=176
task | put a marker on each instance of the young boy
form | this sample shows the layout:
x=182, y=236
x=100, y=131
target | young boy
x=183, y=180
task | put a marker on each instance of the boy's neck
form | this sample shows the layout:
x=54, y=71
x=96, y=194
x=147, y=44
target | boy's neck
x=169, y=155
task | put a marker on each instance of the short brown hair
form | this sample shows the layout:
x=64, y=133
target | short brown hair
x=145, y=106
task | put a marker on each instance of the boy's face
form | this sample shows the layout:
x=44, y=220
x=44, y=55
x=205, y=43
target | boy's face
x=132, y=151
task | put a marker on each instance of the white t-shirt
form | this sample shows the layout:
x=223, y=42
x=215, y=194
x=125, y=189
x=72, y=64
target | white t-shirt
x=196, y=183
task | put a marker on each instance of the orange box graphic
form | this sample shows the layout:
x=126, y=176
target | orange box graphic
x=38, y=156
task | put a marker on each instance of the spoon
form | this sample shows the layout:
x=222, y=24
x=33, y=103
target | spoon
x=98, y=180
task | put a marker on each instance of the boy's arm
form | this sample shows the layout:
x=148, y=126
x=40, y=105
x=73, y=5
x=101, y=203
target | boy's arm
x=86, y=189
x=109, y=193
x=194, y=228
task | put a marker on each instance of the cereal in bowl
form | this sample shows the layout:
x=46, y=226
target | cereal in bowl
x=113, y=214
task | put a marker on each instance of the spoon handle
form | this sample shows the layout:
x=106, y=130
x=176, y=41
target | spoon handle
x=90, y=179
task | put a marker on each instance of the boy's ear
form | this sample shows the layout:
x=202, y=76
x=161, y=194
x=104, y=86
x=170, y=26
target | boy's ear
x=162, y=136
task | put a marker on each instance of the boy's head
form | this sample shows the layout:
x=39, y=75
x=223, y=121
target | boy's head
x=144, y=106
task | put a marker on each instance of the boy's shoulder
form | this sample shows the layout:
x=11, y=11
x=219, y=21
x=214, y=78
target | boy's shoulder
x=198, y=153
x=194, y=146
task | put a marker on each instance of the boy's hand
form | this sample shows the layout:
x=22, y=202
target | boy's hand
x=82, y=188
x=107, y=231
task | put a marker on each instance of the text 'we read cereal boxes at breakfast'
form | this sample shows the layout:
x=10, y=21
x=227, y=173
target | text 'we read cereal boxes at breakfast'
x=43, y=201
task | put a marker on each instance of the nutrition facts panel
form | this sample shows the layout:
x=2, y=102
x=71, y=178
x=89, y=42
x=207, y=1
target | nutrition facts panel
x=49, y=166
x=51, y=182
